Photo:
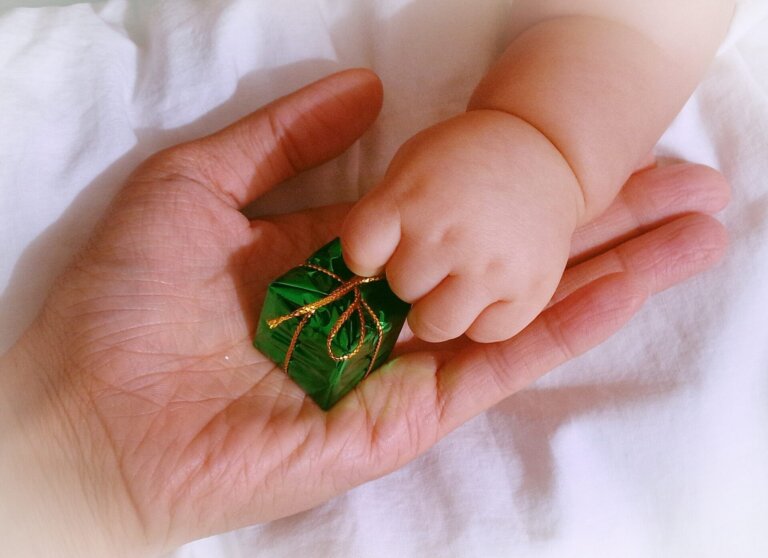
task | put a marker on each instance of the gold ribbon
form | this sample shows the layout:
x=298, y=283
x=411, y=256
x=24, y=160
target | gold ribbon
x=358, y=306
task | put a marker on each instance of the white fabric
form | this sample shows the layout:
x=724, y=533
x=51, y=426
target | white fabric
x=655, y=444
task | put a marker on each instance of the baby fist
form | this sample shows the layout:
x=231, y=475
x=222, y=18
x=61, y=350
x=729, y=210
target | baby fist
x=472, y=224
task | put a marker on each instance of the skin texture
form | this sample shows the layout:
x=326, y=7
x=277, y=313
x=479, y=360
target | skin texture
x=135, y=414
x=469, y=228
x=473, y=220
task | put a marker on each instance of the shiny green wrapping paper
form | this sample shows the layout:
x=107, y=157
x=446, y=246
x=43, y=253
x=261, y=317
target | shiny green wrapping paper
x=310, y=366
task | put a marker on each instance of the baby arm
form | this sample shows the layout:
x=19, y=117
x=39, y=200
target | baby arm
x=473, y=219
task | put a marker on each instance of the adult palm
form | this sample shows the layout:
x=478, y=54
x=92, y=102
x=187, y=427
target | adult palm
x=180, y=428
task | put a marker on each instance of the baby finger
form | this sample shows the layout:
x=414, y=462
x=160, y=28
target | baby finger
x=502, y=320
x=370, y=235
x=447, y=311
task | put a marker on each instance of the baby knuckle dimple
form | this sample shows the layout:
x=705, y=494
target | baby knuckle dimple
x=499, y=268
x=497, y=278
x=451, y=236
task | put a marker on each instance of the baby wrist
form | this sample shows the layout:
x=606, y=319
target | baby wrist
x=600, y=92
x=550, y=156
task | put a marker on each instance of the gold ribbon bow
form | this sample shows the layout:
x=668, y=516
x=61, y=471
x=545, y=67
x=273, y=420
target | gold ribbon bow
x=358, y=306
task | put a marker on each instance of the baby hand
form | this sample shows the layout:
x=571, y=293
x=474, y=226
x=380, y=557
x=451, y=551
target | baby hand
x=472, y=223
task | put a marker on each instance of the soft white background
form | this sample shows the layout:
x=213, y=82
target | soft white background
x=653, y=445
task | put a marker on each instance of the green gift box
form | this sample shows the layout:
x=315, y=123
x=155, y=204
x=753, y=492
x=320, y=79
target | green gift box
x=327, y=327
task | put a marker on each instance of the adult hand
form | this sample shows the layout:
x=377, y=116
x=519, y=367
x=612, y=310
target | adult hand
x=135, y=413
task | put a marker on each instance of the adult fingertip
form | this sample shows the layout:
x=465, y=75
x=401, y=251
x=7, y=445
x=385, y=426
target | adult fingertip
x=679, y=188
x=712, y=238
x=705, y=185
x=717, y=188
x=365, y=77
x=361, y=74
x=681, y=249
x=361, y=94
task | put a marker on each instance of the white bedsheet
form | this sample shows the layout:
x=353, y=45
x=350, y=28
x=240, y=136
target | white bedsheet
x=653, y=445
